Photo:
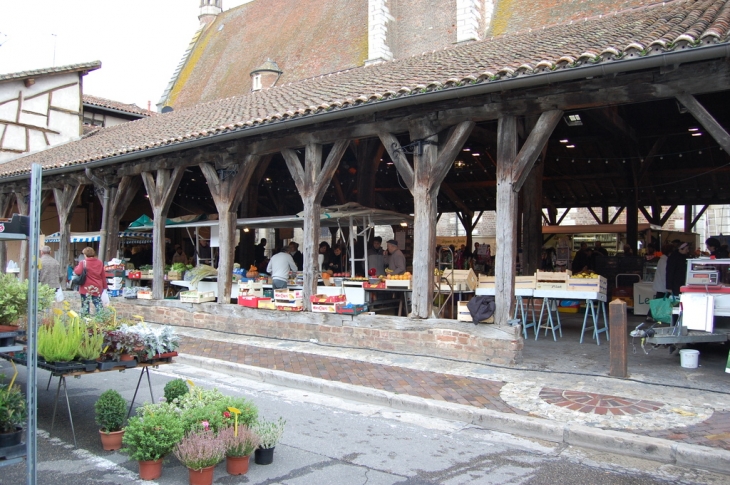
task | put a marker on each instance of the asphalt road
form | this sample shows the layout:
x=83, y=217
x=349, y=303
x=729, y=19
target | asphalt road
x=329, y=441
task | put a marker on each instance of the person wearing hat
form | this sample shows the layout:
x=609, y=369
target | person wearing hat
x=396, y=259
x=677, y=269
x=376, y=258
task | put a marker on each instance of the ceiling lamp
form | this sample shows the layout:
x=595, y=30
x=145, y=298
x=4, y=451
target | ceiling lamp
x=573, y=120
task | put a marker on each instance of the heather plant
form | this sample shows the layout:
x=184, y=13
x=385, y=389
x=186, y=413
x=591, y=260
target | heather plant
x=239, y=442
x=200, y=449
x=153, y=432
x=269, y=432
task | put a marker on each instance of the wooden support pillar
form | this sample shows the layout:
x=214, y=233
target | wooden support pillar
x=368, y=153
x=161, y=190
x=104, y=191
x=632, y=220
x=505, y=257
x=312, y=181
x=121, y=196
x=227, y=192
x=619, y=345
x=604, y=215
x=430, y=166
x=708, y=122
x=6, y=202
x=65, y=204
x=532, y=220
x=249, y=208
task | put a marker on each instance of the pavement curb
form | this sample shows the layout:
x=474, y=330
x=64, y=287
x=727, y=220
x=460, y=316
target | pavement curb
x=618, y=442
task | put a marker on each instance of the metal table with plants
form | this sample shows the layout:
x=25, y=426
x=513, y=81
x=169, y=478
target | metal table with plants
x=73, y=347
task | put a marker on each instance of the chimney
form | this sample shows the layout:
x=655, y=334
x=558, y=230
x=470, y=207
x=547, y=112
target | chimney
x=209, y=10
x=265, y=76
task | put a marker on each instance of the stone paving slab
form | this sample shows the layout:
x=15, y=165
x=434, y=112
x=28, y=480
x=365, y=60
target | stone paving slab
x=681, y=424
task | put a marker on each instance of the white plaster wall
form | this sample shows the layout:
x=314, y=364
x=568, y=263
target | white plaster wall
x=20, y=115
x=468, y=15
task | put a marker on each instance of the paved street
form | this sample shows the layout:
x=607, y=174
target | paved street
x=332, y=441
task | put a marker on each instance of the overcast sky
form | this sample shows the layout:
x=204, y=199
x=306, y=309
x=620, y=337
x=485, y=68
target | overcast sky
x=139, y=43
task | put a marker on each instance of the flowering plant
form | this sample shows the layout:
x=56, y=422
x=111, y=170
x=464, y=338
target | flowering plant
x=239, y=442
x=270, y=432
x=200, y=449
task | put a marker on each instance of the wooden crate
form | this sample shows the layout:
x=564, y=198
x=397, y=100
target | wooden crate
x=525, y=282
x=398, y=284
x=195, y=296
x=551, y=276
x=463, y=314
x=174, y=275
x=551, y=285
x=463, y=276
x=250, y=288
x=599, y=284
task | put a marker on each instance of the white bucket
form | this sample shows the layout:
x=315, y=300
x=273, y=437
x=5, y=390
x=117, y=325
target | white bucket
x=689, y=358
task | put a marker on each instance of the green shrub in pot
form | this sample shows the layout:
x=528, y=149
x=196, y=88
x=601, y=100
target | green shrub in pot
x=153, y=433
x=111, y=410
x=12, y=407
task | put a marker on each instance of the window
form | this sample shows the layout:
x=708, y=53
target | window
x=256, y=82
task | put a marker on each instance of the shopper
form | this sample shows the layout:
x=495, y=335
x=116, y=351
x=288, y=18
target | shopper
x=50, y=270
x=279, y=267
x=95, y=282
x=677, y=269
x=660, y=275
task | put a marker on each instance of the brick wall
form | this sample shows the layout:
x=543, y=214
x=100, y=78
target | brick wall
x=435, y=337
x=421, y=26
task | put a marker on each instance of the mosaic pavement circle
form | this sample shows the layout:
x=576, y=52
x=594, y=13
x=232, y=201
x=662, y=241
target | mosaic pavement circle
x=598, y=410
x=588, y=402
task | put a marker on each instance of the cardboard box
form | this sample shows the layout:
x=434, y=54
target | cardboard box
x=143, y=295
x=326, y=308
x=323, y=299
x=287, y=295
x=250, y=301
x=292, y=306
x=266, y=304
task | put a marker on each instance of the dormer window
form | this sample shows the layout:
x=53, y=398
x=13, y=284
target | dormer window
x=256, y=80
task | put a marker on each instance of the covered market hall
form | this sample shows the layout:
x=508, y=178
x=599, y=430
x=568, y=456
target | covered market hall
x=622, y=111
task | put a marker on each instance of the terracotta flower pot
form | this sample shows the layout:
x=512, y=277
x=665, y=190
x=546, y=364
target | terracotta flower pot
x=111, y=441
x=126, y=357
x=150, y=470
x=201, y=477
x=237, y=465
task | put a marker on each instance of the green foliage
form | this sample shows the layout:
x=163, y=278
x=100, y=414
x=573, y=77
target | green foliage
x=60, y=342
x=270, y=432
x=105, y=319
x=14, y=298
x=153, y=432
x=111, y=409
x=249, y=412
x=179, y=267
x=175, y=389
x=200, y=449
x=91, y=345
x=12, y=407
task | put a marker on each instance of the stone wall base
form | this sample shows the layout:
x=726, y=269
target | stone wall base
x=433, y=337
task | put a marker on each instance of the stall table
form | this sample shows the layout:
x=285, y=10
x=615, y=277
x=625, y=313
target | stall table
x=520, y=295
x=62, y=373
x=595, y=303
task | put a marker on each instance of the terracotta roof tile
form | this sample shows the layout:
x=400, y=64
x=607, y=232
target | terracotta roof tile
x=116, y=105
x=565, y=47
x=85, y=66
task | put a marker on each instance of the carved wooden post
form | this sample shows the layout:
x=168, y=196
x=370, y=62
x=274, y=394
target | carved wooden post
x=424, y=180
x=161, y=190
x=312, y=181
x=6, y=202
x=619, y=346
x=532, y=220
x=122, y=196
x=65, y=204
x=103, y=190
x=227, y=192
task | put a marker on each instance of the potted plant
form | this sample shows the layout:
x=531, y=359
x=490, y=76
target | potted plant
x=90, y=347
x=269, y=433
x=58, y=344
x=110, y=409
x=200, y=451
x=240, y=443
x=151, y=435
x=12, y=414
x=175, y=389
x=14, y=301
x=158, y=343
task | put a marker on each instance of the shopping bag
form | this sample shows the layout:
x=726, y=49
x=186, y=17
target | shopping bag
x=105, y=298
x=661, y=309
x=59, y=295
x=79, y=279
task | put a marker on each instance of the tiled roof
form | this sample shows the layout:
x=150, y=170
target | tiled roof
x=84, y=66
x=305, y=38
x=115, y=105
x=676, y=25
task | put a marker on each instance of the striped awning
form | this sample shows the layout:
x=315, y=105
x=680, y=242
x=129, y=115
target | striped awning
x=78, y=237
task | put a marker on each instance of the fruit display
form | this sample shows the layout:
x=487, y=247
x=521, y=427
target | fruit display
x=586, y=274
x=404, y=276
x=253, y=272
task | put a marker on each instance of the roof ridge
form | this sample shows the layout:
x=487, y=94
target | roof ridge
x=82, y=66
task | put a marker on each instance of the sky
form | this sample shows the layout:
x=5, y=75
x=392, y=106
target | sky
x=139, y=43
